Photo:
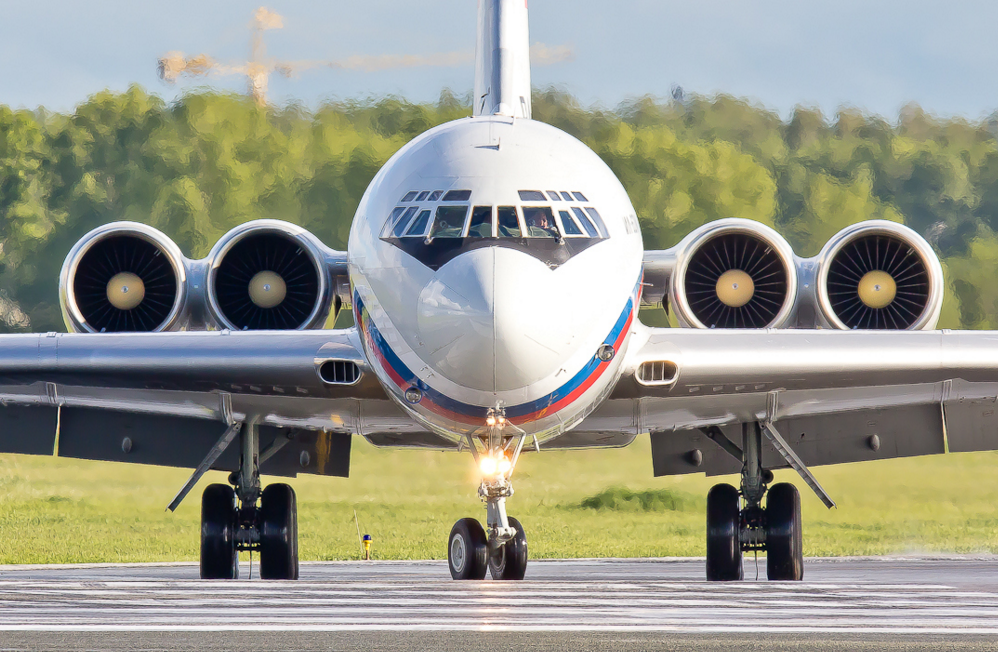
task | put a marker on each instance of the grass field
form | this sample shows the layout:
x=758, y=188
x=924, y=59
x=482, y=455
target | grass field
x=572, y=504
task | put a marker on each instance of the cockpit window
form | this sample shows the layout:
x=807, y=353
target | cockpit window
x=390, y=223
x=409, y=196
x=418, y=225
x=449, y=222
x=568, y=225
x=403, y=221
x=567, y=196
x=435, y=195
x=532, y=195
x=509, y=223
x=553, y=194
x=597, y=220
x=540, y=222
x=423, y=195
x=586, y=222
x=457, y=195
x=579, y=196
x=481, y=222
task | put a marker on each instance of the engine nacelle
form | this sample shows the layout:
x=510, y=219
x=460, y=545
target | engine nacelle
x=268, y=274
x=734, y=273
x=123, y=277
x=879, y=275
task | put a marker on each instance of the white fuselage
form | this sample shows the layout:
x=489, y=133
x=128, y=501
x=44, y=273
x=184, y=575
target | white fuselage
x=471, y=313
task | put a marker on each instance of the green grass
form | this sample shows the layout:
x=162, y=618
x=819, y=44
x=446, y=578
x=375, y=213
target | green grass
x=572, y=504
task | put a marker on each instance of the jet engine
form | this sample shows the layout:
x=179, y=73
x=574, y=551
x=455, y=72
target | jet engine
x=268, y=274
x=879, y=275
x=123, y=277
x=734, y=273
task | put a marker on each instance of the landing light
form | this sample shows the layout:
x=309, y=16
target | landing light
x=491, y=466
x=490, y=421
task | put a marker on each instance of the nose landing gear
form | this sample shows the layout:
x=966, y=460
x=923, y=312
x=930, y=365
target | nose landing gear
x=502, y=549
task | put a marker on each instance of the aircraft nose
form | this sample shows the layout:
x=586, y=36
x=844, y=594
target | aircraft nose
x=494, y=320
x=455, y=320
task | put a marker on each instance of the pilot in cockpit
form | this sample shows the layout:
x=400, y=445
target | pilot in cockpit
x=539, y=223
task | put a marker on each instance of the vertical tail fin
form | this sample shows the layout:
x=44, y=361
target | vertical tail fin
x=502, y=60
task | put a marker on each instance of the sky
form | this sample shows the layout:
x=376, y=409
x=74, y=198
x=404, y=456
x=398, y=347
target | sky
x=873, y=55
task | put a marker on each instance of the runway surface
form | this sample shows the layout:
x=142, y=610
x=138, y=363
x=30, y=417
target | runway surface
x=861, y=603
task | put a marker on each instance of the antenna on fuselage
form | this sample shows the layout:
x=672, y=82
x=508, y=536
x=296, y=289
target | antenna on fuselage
x=502, y=59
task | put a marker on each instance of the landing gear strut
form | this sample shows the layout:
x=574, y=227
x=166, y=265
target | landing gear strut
x=502, y=547
x=242, y=517
x=737, y=521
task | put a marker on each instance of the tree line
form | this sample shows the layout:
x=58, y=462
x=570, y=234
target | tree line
x=197, y=167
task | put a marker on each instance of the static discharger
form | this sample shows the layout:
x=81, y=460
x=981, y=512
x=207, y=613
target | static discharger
x=125, y=291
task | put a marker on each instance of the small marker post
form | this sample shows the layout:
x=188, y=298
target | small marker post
x=367, y=547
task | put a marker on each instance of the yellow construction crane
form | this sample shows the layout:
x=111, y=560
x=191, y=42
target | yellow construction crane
x=259, y=67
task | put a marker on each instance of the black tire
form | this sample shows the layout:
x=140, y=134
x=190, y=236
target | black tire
x=467, y=550
x=509, y=561
x=784, y=540
x=724, y=550
x=219, y=557
x=278, y=533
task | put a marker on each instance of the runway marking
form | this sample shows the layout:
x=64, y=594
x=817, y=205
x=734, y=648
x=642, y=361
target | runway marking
x=432, y=605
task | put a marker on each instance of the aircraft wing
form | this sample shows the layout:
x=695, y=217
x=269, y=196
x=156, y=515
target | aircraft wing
x=167, y=398
x=835, y=396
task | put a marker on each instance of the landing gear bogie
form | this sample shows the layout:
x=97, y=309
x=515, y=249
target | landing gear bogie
x=737, y=522
x=244, y=518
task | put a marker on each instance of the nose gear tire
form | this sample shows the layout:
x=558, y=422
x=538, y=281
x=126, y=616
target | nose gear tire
x=724, y=550
x=219, y=557
x=278, y=533
x=508, y=561
x=784, y=541
x=467, y=550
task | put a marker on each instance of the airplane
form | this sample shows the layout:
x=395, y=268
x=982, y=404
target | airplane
x=495, y=268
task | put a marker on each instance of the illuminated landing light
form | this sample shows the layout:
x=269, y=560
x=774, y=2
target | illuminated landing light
x=267, y=289
x=492, y=466
x=735, y=288
x=488, y=465
x=125, y=291
x=877, y=289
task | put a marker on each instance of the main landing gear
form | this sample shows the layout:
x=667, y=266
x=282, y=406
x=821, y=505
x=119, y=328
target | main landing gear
x=502, y=548
x=737, y=522
x=242, y=517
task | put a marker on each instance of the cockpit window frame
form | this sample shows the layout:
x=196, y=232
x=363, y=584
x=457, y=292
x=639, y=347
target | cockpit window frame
x=461, y=232
x=492, y=223
x=409, y=196
x=393, y=217
x=409, y=233
x=519, y=222
x=564, y=231
x=531, y=195
x=457, y=196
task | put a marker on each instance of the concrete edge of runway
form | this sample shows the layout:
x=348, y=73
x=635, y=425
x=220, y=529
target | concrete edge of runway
x=914, y=557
